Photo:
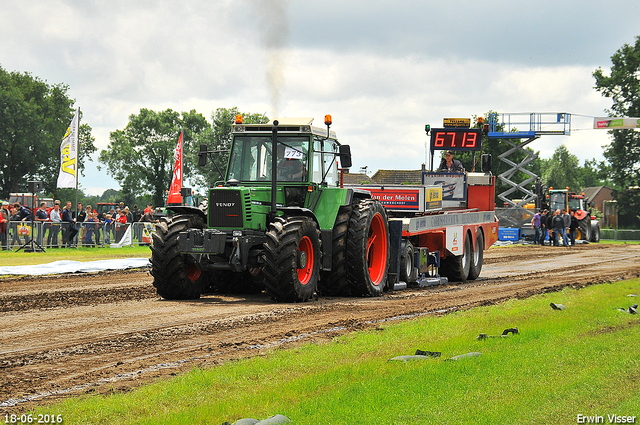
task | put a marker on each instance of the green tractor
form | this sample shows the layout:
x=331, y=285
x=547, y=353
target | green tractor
x=280, y=221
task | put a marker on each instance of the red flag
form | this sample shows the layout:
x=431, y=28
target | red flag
x=175, y=197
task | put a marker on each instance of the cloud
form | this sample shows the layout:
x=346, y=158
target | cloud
x=382, y=69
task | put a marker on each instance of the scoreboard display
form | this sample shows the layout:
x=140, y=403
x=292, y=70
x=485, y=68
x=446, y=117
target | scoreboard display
x=459, y=139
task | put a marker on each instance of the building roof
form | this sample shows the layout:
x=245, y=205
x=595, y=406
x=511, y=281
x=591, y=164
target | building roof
x=398, y=177
x=591, y=192
x=357, y=178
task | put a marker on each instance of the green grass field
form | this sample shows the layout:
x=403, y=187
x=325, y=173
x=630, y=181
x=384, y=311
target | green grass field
x=21, y=258
x=579, y=361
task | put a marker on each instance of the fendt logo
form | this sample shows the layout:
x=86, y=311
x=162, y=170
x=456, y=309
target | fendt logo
x=225, y=204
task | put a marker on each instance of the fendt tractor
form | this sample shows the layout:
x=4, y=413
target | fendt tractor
x=554, y=199
x=282, y=221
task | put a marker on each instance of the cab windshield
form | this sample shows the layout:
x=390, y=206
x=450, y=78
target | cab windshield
x=557, y=201
x=250, y=158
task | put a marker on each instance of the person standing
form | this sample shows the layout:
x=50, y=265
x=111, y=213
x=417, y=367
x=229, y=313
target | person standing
x=558, y=225
x=22, y=214
x=543, y=226
x=137, y=228
x=567, y=222
x=69, y=231
x=573, y=228
x=121, y=225
x=535, y=223
x=41, y=218
x=4, y=225
x=80, y=219
x=550, y=230
x=108, y=222
x=56, y=222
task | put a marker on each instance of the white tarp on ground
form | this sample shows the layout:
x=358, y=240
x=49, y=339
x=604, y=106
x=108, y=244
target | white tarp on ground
x=67, y=266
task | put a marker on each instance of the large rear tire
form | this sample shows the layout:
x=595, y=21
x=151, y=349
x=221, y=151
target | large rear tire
x=456, y=268
x=176, y=276
x=477, y=257
x=368, y=248
x=334, y=282
x=584, y=229
x=292, y=259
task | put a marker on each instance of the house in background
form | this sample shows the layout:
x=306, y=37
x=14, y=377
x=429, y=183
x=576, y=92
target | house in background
x=601, y=197
x=397, y=177
x=598, y=195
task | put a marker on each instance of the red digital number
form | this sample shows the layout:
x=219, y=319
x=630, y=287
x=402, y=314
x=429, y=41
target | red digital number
x=439, y=140
x=453, y=139
x=470, y=140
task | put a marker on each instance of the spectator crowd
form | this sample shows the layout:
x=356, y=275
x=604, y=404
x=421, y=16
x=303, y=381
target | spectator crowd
x=56, y=226
x=555, y=227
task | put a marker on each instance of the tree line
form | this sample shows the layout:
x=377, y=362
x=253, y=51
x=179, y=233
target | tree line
x=34, y=116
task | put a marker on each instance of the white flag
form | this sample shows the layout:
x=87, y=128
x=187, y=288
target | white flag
x=69, y=155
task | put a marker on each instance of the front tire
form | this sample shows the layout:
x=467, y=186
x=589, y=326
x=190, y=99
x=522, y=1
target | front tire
x=334, y=282
x=176, y=276
x=292, y=259
x=368, y=248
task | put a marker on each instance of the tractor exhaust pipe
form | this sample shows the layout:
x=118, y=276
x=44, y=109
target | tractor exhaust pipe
x=274, y=170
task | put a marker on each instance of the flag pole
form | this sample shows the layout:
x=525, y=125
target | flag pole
x=78, y=164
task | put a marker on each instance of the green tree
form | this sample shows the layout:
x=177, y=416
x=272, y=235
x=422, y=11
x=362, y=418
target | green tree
x=594, y=173
x=622, y=85
x=562, y=170
x=34, y=117
x=140, y=157
x=218, y=137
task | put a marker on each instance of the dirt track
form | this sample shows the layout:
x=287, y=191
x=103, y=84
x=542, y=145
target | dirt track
x=111, y=332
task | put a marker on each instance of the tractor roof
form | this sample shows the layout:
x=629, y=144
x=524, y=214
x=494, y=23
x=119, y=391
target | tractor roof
x=285, y=125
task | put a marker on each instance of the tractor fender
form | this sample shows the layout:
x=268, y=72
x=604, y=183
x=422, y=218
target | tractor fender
x=183, y=209
x=297, y=211
x=580, y=214
x=353, y=194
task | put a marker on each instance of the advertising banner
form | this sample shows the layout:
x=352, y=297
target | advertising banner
x=67, y=178
x=615, y=123
x=453, y=184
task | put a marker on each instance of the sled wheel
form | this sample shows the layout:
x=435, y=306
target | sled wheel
x=408, y=270
x=456, y=268
x=477, y=257
x=292, y=259
x=334, y=282
x=176, y=276
x=368, y=253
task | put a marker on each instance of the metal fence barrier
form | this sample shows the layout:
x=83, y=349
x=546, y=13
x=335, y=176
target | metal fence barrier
x=620, y=234
x=52, y=235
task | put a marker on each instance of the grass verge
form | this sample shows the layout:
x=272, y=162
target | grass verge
x=579, y=361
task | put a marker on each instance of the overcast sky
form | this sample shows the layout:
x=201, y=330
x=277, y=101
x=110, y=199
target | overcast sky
x=382, y=69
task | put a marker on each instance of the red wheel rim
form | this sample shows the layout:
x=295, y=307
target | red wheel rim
x=304, y=273
x=377, y=249
x=193, y=273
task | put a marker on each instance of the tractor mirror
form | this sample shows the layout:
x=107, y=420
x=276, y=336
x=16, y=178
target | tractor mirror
x=202, y=156
x=345, y=156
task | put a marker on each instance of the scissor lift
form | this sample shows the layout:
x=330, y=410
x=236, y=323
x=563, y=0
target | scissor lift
x=519, y=130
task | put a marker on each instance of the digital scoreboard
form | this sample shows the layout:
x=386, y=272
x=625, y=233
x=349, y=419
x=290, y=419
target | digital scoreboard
x=458, y=139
